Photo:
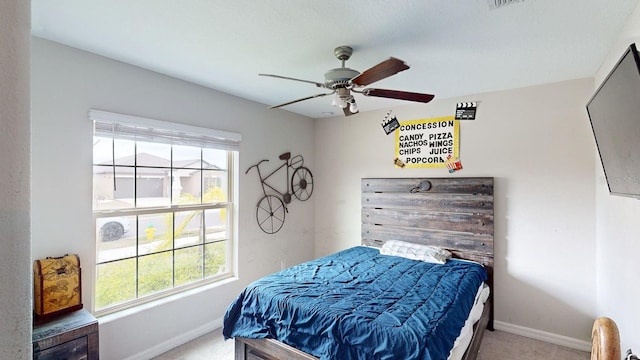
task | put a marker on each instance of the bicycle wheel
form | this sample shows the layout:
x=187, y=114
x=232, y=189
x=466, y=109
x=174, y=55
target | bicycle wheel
x=302, y=183
x=296, y=161
x=270, y=214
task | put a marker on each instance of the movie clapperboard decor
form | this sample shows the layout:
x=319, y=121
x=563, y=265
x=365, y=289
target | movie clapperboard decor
x=390, y=123
x=466, y=110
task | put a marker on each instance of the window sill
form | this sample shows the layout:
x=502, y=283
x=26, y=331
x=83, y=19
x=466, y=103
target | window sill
x=106, y=318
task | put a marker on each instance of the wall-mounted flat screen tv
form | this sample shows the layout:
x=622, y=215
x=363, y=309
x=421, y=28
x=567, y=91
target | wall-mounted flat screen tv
x=614, y=112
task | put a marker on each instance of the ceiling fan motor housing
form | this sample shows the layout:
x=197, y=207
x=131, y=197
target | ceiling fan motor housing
x=339, y=77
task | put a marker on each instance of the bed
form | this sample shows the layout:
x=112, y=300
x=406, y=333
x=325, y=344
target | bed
x=325, y=309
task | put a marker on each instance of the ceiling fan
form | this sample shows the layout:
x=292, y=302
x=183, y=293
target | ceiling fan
x=343, y=81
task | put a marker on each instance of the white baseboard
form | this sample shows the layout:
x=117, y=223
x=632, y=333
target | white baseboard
x=177, y=341
x=498, y=325
x=543, y=336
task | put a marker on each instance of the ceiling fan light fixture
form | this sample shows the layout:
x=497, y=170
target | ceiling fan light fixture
x=335, y=100
x=353, y=107
x=342, y=97
x=339, y=101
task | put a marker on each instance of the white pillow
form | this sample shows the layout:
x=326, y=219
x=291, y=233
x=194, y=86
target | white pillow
x=426, y=253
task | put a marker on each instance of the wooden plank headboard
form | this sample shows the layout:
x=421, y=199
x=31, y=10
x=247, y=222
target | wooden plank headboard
x=453, y=213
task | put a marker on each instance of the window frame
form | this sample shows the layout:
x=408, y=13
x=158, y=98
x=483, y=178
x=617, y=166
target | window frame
x=231, y=147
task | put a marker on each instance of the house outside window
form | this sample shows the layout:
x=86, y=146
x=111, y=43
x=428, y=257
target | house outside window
x=163, y=204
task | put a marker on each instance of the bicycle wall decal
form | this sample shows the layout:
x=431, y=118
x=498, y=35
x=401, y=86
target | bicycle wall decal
x=272, y=208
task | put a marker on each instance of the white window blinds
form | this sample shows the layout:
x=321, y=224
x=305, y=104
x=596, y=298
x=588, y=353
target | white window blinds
x=129, y=127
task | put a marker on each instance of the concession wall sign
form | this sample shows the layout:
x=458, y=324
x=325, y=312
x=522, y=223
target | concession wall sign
x=428, y=142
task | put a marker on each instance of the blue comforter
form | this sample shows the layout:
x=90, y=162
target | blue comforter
x=358, y=304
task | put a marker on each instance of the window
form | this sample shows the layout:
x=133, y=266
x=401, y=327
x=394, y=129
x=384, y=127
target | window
x=163, y=205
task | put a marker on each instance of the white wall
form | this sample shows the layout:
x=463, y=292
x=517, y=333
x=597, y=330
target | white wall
x=618, y=229
x=15, y=242
x=66, y=83
x=537, y=144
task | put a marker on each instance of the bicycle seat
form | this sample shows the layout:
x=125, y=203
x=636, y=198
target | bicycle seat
x=285, y=156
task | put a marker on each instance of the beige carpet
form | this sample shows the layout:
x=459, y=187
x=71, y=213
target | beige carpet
x=500, y=345
x=497, y=345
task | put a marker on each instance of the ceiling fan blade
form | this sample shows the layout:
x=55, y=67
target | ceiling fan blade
x=400, y=95
x=378, y=72
x=303, y=99
x=294, y=79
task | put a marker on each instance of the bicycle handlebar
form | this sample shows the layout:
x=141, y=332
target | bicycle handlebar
x=256, y=165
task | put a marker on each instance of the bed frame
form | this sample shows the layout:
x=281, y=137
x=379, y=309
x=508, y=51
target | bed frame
x=453, y=213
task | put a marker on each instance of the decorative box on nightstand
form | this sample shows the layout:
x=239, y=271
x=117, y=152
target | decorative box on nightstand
x=72, y=336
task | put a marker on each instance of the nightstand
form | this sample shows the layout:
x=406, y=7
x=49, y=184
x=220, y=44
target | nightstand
x=72, y=336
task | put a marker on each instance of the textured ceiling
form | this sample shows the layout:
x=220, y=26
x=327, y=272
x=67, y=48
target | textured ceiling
x=454, y=47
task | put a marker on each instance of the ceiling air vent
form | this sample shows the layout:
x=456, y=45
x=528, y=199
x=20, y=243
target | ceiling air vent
x=495, y=4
